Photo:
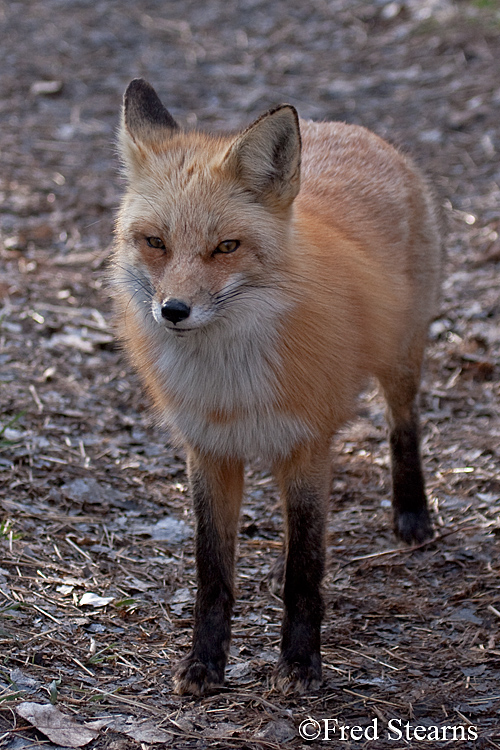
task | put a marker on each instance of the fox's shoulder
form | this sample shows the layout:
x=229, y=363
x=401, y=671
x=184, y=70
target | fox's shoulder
x=333, y=148
x=350, y=173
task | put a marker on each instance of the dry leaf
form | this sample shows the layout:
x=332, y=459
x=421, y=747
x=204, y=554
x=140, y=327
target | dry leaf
x=56, y=726
x=94, y=600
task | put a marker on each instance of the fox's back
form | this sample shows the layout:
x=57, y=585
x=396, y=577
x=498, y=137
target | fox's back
x=367, y=209
x=371, y=193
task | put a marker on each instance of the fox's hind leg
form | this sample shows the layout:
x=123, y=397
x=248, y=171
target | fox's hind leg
x=217, y=489
x=412, y=522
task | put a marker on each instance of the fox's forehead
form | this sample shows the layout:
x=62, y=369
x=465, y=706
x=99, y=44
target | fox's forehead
x=188, y=189
x=186, y=157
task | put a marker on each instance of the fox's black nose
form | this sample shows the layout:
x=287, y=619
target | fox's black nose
x=175, y=310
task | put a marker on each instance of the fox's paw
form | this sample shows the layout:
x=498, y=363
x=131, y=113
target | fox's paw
x=413, y=527
x=193, y=677
x=298, y=678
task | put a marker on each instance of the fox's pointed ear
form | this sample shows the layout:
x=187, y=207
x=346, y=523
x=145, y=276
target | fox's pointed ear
x=266, y=157
x=144, y=117
x=145, y=124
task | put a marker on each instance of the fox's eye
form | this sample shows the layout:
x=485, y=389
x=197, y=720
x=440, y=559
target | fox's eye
x=228, y=246
x=155, y=242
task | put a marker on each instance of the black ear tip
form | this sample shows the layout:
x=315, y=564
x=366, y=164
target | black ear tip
x=281, y=107
x=293, y=111
x=142, y=105
x=287, y=110
x=138, y=87
x=139, y=82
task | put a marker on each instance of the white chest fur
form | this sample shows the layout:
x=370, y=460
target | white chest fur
x=223, y=392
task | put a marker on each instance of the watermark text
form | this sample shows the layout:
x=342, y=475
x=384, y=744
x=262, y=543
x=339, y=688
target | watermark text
x=395, y=730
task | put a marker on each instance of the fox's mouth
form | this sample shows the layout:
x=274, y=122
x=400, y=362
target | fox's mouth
x=179, y=331
x=178, y=327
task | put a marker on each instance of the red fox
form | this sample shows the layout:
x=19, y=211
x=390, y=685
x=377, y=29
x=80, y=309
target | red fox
x=259, y=279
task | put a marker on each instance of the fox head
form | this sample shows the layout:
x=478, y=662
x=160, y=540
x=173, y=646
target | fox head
x=204, y=226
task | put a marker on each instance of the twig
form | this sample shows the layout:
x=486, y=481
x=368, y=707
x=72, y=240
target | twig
x=369, y=698
x=407, y=550
x=494, y=610
x=51, y=617
x=371, y=658
x=77, y=661
x=248, y=697
x=75, y=546
x=129, y=702
x=226, y=738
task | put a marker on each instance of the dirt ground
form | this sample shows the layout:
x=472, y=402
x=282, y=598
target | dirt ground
x=96, y=529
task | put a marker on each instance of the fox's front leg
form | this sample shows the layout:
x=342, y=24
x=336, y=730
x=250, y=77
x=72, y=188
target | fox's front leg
x=217, y=489
x=304, y=482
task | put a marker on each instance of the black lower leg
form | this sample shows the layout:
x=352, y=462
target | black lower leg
x=411, y=515
x=299, y=667
x=215, y=543
x=213, y=608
